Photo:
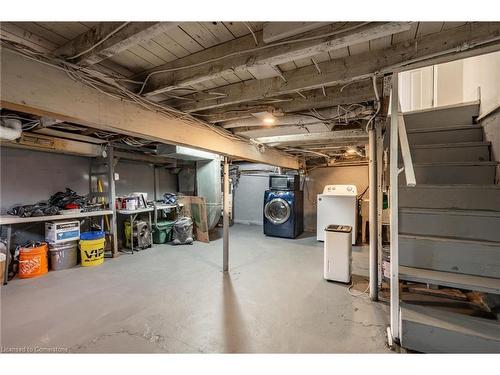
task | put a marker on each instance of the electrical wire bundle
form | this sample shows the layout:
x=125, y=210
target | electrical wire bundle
x=111, y=86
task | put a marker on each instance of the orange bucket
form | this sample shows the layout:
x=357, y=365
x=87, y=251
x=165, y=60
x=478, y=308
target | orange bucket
x=33, y=260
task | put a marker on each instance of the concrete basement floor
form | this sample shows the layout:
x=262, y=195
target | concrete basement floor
x=176, y=300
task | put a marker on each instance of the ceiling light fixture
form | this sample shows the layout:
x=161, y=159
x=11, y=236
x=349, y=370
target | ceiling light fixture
x=266, y=117
x=269, y=120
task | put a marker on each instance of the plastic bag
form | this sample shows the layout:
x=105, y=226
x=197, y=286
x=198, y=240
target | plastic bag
x=183, y=231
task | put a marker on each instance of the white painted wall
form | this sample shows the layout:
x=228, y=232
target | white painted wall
x=482, y=71
x=30, y=176
x=452, y=83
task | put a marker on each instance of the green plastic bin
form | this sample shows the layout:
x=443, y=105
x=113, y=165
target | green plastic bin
x=162, y=232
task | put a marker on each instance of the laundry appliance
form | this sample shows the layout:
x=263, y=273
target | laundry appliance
x=284, y=182
x=283, y=213
x=337, y=205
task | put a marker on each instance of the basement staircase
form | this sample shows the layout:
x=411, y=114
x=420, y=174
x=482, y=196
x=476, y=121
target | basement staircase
x=449, y=228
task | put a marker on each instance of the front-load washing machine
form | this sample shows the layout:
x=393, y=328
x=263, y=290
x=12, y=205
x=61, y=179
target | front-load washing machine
x=283, y=213
x=337, y=205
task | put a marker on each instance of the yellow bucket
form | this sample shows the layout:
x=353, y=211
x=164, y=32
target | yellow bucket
x=92, y=250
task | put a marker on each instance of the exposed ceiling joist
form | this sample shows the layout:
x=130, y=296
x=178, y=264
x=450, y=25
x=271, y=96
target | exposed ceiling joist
x=335, y=137
x=357, y=92
x=461, y=42
x=110, y=38
x=238, y=62
x=30, y=87
x=274, y=31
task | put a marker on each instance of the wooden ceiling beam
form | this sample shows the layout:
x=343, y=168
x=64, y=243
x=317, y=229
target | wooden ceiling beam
x=258, y=61
x=356, y=92
x=332, y=137
x=469, y=40
x=31, y=87
x=110, y=38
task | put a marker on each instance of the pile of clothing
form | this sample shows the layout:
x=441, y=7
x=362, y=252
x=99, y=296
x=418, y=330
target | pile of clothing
x=59, y=201
x=169, y=198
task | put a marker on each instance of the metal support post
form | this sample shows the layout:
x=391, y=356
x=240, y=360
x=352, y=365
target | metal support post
x=394, y=301
x=380, y=196
x=372, y=176
x=112, y=199
x=225, y=218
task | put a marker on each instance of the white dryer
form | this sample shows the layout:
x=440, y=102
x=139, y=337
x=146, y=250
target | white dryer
x=337, y=205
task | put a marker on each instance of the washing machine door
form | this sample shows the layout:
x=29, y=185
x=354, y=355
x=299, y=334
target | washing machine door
x=277, y=211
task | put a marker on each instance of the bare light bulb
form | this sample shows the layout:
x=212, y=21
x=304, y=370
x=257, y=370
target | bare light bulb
x=269, y=120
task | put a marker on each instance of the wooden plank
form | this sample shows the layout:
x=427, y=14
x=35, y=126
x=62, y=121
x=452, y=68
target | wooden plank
x=124, y=35
x=30, y=87
x=359, y=48
x=358, y=92
x=340, y=135
x=199, y=33
x=339, y=53
x=450, y=255
x=285, y=67
x=12, y=32
x=112, y=67
x=380, y=43
x=452, y=25
x=238, y=29
x=68, y=30
x=433, y=330
x=405, y=35
x=35, y=28
x=403, y=56
x=426, y=28
x=131, y=61
x=158, y=50
x=183, y=39
x=219, y=31
x=450, y=279
x=144, y=53
x=274, y=31
x=170, y=45
x=10, y=219
x=162, y=82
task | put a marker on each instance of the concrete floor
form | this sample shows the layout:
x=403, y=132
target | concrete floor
x=176, y=299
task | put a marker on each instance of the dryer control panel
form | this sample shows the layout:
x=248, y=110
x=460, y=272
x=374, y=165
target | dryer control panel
x=345, y=190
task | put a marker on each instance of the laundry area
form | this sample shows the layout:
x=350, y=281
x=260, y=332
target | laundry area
x=250, y=187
